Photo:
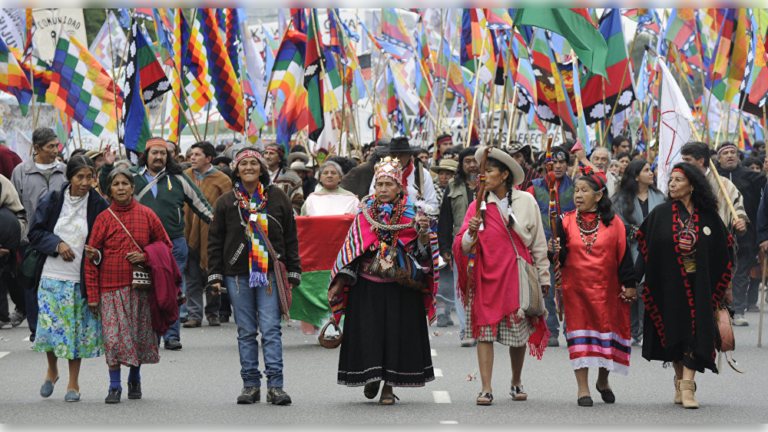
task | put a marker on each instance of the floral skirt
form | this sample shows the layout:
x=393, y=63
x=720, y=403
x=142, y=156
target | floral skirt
x=129, y=339
x=65, y=326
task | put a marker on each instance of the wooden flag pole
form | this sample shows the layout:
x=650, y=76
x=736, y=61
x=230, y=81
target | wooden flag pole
x=489, y=115
x=511, y=123
x=477, y=87
x=448, y=73
x=78, y=135
x=621, y=86
x=503, y=113
x=114, y=77
x=716, y=175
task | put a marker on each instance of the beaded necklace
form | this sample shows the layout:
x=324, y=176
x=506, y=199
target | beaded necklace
x=386, y=233
x=588, y=230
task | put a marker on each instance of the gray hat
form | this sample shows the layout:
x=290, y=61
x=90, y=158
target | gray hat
x=298, y=156
x=518, y=175
x=299, y=166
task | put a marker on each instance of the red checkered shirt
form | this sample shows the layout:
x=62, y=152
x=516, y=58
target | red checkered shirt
x=114, y=271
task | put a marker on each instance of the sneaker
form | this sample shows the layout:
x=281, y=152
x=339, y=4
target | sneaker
x=468, y=342
x=753, y=308
x=113, y=396
x=442, y=321
x=249, y=395
x=173, y=345
x=739, y=320
x=3, y=324
x=276, y=396
x=448, y=318
x=213, y=321
x=553, y=342
x=17, y=318
x=192, y=323
x=134, y=389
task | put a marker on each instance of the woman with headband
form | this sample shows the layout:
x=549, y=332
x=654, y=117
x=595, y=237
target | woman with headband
x=598, y=286
x=253, y=249
x=686, y=258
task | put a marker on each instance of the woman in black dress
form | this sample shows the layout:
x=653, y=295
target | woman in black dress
x=686, y=256
x=384, y=279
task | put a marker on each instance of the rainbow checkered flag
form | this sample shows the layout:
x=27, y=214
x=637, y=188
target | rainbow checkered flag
x=81, y=87
x=229, y=94
x=12, y=78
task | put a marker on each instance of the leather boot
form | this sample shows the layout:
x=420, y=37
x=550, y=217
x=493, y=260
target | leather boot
x=688, y=390
x=678, y=396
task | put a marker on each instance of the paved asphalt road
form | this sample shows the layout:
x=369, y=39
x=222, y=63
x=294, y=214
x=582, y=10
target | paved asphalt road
x=199, y=385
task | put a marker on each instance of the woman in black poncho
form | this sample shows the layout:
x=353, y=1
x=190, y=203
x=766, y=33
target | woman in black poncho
x=686, y=256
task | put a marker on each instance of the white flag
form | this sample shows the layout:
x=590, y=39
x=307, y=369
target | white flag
x=101, y=47
x=253, y=62
x=676, y=118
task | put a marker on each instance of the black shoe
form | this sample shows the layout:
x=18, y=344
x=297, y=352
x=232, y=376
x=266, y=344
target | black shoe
x=17, y=318
x=113, y=396
x=585, y=401
x=442, y=321
x=173, y=345
x=134, y=389
x=450, y=321
x=276, y=396
x=32, y=337
x=224, y=318
x=607, y=395
x=553, y=342
x=249, y=395
x=184, y=320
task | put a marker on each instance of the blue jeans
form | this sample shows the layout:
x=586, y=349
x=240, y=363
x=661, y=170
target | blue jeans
x=180, y=254
x=459, y=305
x=254, y=309
x=549, y=302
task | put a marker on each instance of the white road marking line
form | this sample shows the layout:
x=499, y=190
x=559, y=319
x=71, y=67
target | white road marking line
x=4, y=353
x=433, y=352
x=448, y=422
x=441, y=397
x=438, y=372
x=26, y=339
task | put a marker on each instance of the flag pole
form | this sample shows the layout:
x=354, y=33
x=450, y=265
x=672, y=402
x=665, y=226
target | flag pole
x=621, y=87
x=80, y=139
x=477, y=86
x=114, y=78
x=447, y=72
x=489, y=115
x=510, y=131
x=714, y=173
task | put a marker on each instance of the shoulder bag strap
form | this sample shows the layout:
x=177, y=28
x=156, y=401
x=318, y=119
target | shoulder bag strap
x=149, y=187
x=128, y=232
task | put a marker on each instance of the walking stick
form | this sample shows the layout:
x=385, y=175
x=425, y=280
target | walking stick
x=762, y=304
x=553, y=215
x=478, y=210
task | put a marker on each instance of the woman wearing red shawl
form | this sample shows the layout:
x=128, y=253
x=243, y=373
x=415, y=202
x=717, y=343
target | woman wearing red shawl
x=384, y=279
x=686, y=256
x=493, y=299
x=598, y=286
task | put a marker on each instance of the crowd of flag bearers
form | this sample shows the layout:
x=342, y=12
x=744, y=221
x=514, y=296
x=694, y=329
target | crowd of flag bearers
x=651, y=243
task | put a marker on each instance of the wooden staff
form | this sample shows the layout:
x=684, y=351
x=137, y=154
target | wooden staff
x=477, y=87
x=448, y=71
x=717, y=176
x=478, y=210
x=78, y=135
x=553, y=216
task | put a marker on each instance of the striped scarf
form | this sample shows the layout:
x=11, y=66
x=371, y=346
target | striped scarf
x=254, y=211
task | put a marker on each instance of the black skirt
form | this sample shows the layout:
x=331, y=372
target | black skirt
x=385, y=337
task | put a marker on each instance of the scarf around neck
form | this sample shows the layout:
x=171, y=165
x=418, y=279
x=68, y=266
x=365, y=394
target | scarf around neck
x=253, y=209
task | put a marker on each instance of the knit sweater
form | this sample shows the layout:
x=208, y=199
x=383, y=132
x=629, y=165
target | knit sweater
x=173, y=191
x=213, y=186
x=114, y=271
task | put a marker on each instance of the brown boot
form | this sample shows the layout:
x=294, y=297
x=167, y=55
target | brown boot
x=688, y=390
x=678, y=396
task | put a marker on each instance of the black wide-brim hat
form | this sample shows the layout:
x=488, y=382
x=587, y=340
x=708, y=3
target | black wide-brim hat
x=399, y=145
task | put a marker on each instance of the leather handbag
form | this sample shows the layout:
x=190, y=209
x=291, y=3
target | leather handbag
x=331, y=342
x=531, y=299
x=725, y=339
x=141, y=278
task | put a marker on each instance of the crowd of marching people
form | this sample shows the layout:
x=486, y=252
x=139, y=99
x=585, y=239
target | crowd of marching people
x=102, y=257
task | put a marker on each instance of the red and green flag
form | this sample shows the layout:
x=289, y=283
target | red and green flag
x=393, y=30
x=595, y=89
x=576, y=26
x=312, y=78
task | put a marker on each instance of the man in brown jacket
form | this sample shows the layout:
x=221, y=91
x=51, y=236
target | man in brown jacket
x=212, y=183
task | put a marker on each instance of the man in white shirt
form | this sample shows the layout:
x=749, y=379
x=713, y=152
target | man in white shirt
x=416, y=178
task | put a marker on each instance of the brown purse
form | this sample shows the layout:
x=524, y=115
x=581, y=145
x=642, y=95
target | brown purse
x=141, y=276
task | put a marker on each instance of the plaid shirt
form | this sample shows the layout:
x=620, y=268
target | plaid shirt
x=114, y=271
